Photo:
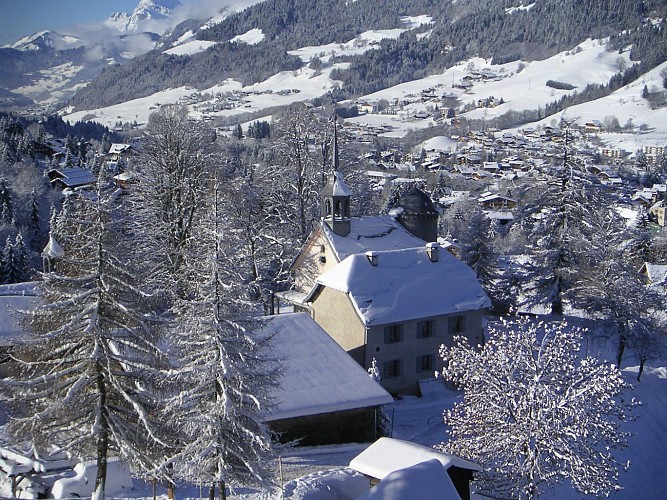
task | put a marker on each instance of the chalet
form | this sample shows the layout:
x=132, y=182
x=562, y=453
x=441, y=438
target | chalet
x=124, y=180
x=121, y=152
x=413, y=468
x=323, y=396
x=71, y=177
x=365, y=107
x=493, y=201
x=593, y=126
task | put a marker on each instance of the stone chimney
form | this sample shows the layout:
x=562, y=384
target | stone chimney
x=432, y=250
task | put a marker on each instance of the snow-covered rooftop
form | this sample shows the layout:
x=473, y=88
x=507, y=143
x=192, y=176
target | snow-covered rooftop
x=53, y=250
x=656, y=273
x=377, y=233
x=319, y=376
x=14, y=298
x=406, y=284
x=387, y=455
x=117, y=148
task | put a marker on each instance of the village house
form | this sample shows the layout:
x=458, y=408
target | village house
x=71, y=177
x=593, y=126
x=398, y=307
x=119, y=152
x=494, y=201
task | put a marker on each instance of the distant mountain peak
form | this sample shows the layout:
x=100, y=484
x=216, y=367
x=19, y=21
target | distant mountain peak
x=45, y=40
x=146, y=11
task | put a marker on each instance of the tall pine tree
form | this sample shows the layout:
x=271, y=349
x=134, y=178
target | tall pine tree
x=86, y=385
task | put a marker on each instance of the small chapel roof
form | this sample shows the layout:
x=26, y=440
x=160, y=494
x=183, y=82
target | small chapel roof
x=336, y=186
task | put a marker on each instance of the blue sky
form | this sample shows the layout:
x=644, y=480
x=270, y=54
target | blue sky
x=24, y=17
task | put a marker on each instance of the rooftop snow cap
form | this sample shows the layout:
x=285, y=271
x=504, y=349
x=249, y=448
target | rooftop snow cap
x=372, y=257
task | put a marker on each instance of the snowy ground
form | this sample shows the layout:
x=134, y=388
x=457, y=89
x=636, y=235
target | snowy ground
x=319, y=473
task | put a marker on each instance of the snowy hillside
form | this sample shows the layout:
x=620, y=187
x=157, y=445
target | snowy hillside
x=521, y=85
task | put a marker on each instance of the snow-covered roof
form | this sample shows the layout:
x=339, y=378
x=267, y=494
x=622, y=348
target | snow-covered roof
x=387, y=455
x=499, y=215
x=319, y=376
x=336, y=186
x=656, y=273
x=53, y=250
x=377, y=233
x=340, y=188
x=73, y=176
x=485, y=197
x=117, y=148
x=405, y=284
x=124, y=176
x=14, y=298
x=424, y=481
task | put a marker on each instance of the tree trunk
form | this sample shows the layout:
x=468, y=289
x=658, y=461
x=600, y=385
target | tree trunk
x=211, y=492
x=641, y=368
x=102, y=439
x=171, y=488
x=621, y=346
x=222, y=490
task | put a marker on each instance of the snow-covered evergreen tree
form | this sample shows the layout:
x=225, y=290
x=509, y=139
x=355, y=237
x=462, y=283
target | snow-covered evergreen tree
x=35, y=218
x=224, y=375
x=535, y=412
x=86, y=383
x=17, y=261
x=560, y=209
x=477, y=250
x=6, y=261
x=6, y=203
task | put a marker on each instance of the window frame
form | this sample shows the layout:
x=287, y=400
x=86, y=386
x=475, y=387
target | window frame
x=456, y=324
x=393, y=334
x=392, y=368
x=425, y=360
x=430, y=328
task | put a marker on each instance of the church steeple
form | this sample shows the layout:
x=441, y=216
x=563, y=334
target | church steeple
x=336, y=197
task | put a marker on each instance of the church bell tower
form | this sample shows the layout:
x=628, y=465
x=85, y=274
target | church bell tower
x=336, y=197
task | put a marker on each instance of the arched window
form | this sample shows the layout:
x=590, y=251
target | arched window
x=338, y=207
x=327, y=206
